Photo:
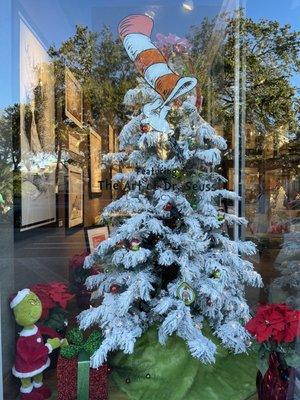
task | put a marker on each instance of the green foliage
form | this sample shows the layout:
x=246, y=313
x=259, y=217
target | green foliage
x=9, y=154
x=57, y=318
x=270, y=54
x=100, y=63
x=262, y=363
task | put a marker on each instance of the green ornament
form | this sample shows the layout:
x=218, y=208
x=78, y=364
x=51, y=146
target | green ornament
x=192, y=143
x=221, y=214
x=186, y=293
x=176, y=173
x=135, y=244
x=216, y=274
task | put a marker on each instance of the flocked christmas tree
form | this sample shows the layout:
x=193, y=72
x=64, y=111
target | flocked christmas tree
x=170, y=262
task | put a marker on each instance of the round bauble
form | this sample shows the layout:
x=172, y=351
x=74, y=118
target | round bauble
x=135, y=244
x=145, y=128
x=221, y=214
x=114, y=289
x=209, y=302
x=192, y=143
x=176, y=173
x=186, y=293
x=168, y=207
x=216, y=274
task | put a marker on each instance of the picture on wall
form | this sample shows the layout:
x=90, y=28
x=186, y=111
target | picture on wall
x=95, y=161
x=74, y=141
x=75, y=198
x=37, y=132
x=95, y=235
x=73, y=98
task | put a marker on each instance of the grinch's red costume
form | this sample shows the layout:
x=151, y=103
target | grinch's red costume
x=31, y=354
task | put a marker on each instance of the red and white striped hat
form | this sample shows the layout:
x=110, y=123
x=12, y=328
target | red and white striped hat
x=135, y=32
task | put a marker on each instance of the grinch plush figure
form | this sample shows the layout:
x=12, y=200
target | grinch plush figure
x=31, y=352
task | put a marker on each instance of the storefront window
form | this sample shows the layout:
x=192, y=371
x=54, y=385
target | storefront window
x=108, y=109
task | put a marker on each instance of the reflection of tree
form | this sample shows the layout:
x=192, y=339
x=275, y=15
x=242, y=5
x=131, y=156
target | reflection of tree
x=9, y=154
x=270, y=52
x=100, y=64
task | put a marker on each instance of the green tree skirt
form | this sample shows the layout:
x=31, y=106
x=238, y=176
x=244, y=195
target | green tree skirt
x=155, y=372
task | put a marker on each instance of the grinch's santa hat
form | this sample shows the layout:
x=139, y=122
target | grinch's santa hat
x=19, y=297
x=135, y=32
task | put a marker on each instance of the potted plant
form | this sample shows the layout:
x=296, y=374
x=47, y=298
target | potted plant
x=275, y=328
x=54, y=297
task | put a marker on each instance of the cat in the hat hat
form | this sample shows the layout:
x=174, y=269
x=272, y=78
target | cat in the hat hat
x=31, y=352
x=135, y=32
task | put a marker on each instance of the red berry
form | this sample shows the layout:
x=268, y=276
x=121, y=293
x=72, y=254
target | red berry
x=114, y=289
x=168, y=207
x=145, y=128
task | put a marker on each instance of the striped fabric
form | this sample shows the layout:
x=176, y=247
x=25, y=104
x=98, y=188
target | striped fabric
x=135, y=32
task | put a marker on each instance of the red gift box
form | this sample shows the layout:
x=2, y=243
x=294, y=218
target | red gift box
x=67, y=380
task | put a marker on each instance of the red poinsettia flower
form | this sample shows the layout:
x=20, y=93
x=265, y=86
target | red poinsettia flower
x=275, y=321
x=52, y=295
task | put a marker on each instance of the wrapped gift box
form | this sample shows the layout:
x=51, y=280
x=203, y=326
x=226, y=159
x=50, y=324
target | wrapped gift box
x=77, y=381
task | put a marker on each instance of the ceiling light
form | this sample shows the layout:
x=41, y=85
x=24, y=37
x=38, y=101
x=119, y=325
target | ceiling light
x=188, y=5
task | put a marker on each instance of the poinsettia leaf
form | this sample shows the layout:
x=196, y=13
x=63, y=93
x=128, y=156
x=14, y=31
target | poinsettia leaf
x=293, y=359
x=263, y=359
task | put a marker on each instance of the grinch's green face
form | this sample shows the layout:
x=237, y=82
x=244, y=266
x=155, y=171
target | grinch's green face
x=29, y=311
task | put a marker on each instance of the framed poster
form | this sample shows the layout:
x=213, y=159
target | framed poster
x=95, y=161
x=95, y=235
x=74, y=140
x=75, y=196
x=37, y=132
x=73, y=98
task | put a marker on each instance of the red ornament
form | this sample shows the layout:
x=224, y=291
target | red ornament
x=114, y=289
x=168, y=207
x=209, y=302
x=145, y=128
